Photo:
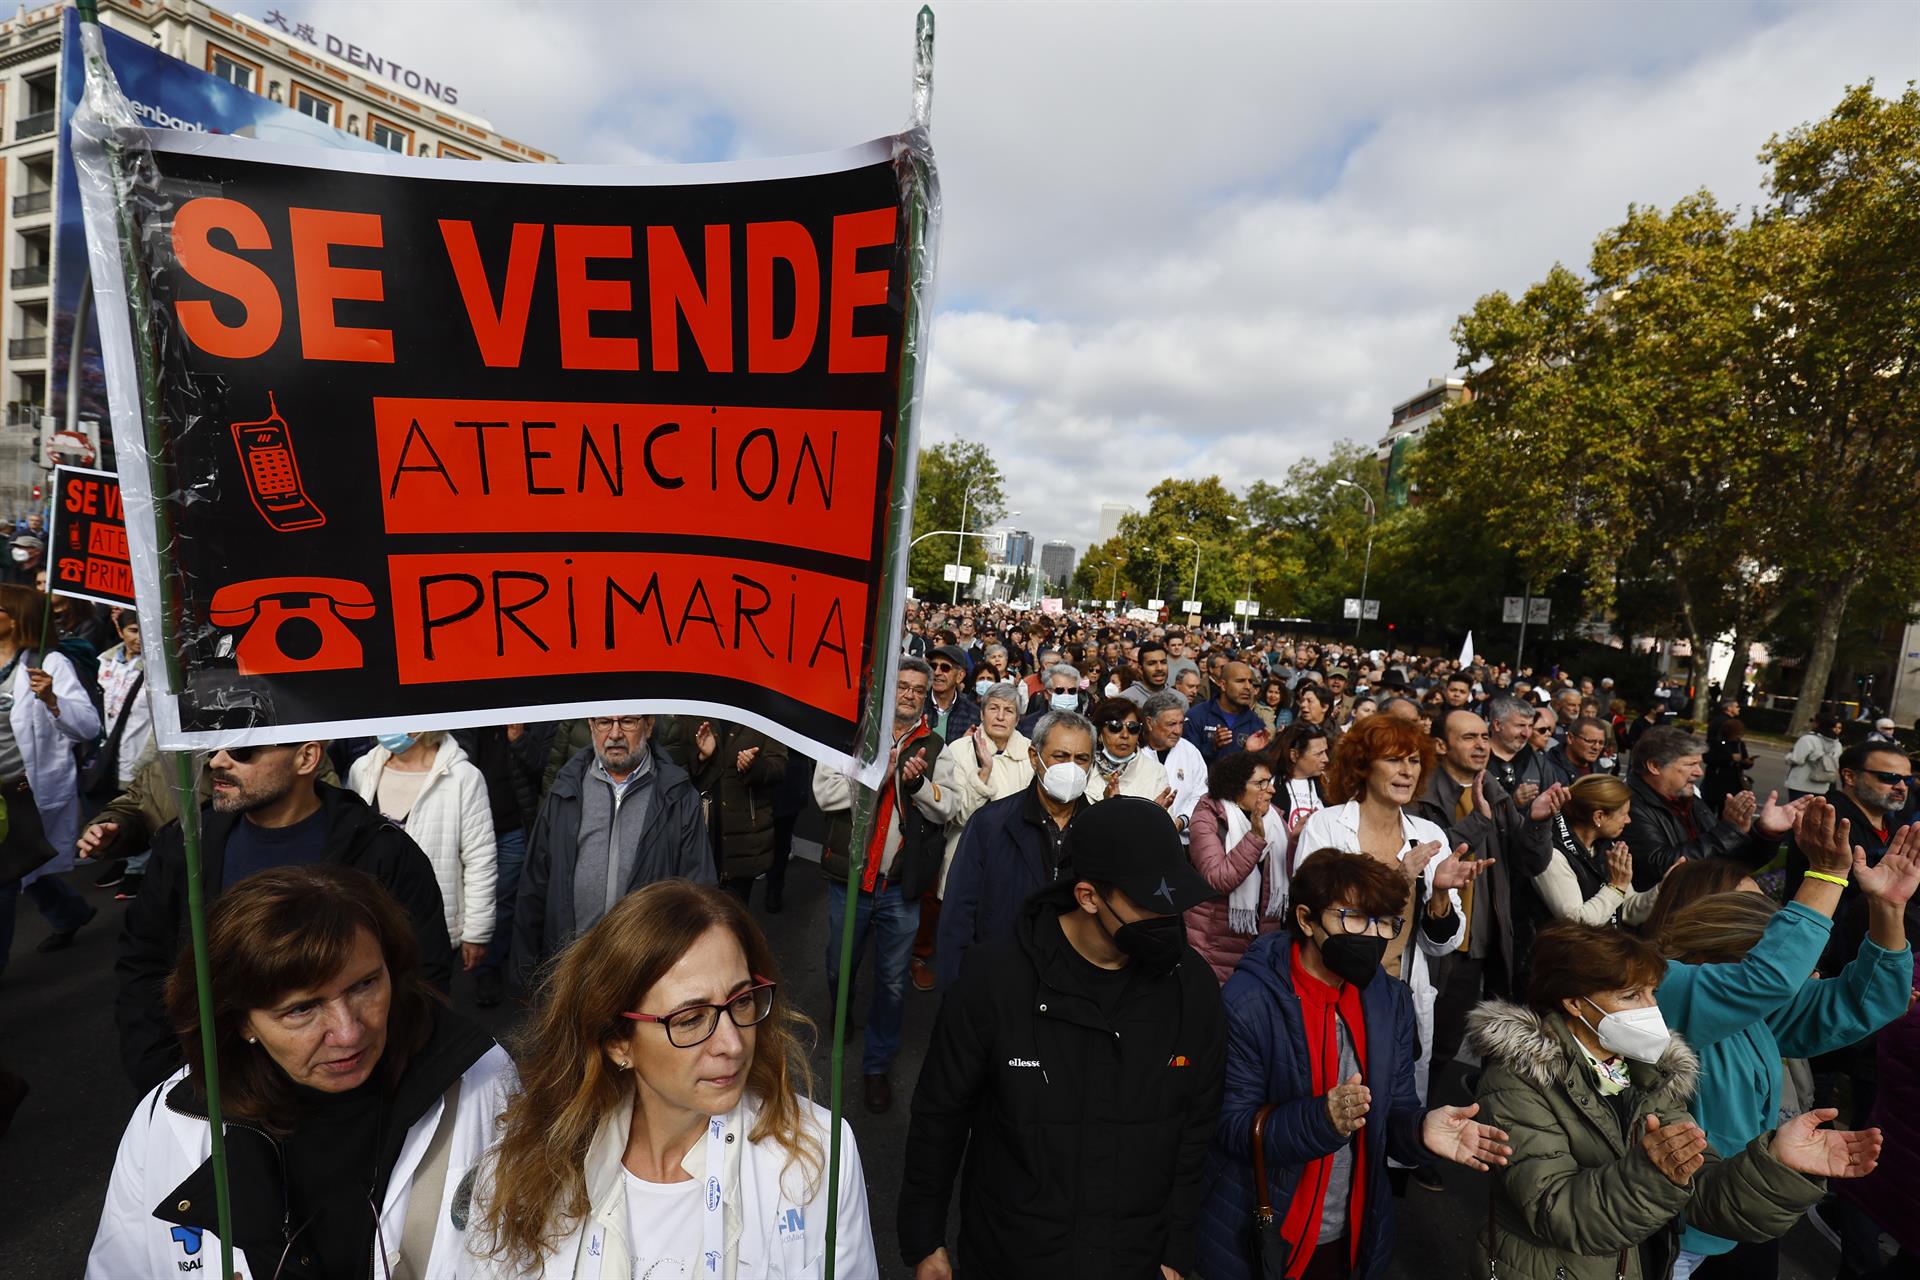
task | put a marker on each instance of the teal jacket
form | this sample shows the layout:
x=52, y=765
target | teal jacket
x=1743, y=1019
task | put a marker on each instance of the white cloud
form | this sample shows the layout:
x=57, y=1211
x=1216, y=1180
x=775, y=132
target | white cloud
x=1187, y=238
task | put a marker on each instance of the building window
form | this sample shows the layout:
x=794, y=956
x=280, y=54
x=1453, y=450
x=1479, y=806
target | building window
x=390, y=136
x=308, y=103
x=450, y=152
x=232, y=68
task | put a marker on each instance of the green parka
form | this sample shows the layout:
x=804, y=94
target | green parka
x=1580, y=1197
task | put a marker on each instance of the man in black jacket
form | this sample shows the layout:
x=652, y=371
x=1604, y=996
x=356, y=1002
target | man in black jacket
x=1078, y=1067
x=1670, y=822
x=269, y=810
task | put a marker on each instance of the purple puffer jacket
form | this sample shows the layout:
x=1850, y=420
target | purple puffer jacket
x=1224, y=869
x=1890, y=1195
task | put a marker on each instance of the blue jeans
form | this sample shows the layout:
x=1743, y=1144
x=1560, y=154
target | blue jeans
x=512, y=854
x=893, y=921
x=63, y=908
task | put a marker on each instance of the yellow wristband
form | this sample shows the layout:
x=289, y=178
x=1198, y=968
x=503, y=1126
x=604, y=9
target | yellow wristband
x=1821, y=875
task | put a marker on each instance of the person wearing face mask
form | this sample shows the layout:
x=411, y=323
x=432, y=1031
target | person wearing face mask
x=1014, y=846
x=1740, y=986
x=1592, y=1089
x=1240, y=844
x=27, y=554
x=1320, y=1067
x=1059, y=691
x=424, y=783
x=1075, y=1067
x=1120, y=766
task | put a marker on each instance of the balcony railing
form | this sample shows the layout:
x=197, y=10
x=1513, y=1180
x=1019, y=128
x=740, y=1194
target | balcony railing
x=27, y=348
x=32, y=202
x=23, y=413
x=35, y=125
x=29, y=277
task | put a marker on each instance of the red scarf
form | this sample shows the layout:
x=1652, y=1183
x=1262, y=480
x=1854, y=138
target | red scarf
x=1319, y=1003
x=1683, y=810
x=883, y=812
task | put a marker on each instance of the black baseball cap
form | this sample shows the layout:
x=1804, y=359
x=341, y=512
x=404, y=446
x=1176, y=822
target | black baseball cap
x=952, y=653
x=1132, y=844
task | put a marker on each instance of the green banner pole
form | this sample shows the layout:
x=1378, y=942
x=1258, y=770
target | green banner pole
x=877, y=729
x=102, y=84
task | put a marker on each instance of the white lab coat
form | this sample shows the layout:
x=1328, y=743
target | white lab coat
x=46, y=747
x=452, y=822
x=775, y=1223
x=1187, y=774
x=1339, y=828
x=162, y=1147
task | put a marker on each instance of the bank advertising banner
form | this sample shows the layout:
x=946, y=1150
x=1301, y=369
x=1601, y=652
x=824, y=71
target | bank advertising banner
x=452, y=443
x=164, y=93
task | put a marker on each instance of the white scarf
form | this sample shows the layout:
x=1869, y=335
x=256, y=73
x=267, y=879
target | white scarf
x=1243, y=904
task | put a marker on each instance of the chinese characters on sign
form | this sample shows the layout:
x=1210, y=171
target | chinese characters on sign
x=365, y=59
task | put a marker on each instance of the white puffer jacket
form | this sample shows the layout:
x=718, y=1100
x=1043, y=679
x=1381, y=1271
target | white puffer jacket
x=452, y=822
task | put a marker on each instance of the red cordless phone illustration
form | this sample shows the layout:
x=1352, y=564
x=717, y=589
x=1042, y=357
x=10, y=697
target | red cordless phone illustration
x=293, y=624
x=273, y=477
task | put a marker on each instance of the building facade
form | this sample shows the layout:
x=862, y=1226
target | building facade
x=1111, y=514
x=1056, y=563
x=1414, y=414
x=319, y=73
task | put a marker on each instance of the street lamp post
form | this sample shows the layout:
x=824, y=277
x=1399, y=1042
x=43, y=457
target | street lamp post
x=1193, y=594
x=960, y=540
x=958, y=536
x=1367, y=568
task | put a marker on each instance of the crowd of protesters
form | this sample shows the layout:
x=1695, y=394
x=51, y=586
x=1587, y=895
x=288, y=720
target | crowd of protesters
x=1236, y=941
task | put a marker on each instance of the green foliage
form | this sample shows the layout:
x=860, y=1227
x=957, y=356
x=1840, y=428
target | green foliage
x=947, y=472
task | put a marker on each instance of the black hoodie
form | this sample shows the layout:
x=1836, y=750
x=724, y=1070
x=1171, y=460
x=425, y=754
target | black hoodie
x=1084, y=1133
x=156, y=928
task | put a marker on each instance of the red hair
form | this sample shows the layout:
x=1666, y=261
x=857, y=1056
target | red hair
x=1376, y=738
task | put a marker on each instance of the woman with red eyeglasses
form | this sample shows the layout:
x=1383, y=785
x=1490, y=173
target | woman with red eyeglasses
x=661, y=1114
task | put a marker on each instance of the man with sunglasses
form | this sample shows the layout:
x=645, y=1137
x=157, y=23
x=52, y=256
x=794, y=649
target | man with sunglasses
x=951, y=711
x=1871, y=794
x=269, y=808
x=620, y=816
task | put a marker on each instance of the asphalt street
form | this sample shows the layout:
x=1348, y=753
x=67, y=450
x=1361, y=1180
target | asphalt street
x=56, y=1029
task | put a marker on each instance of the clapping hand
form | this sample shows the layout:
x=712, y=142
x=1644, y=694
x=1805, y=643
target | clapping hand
x=1165, y=798
x=1480, y=805
x=1453, y=1134
x=1620, y=866
x=1738, y=810
x=1459, y=871
x=1893, y=879
x=1297, y=822
x=1776, y=819
x=1821, y=840
x=982, y=747
x=1677, y=1150
x=1348, y=1104
x=1525, y=793
x=1549, y=802
x=916, y=768
x=744, y=760
x=704, y=740
x=1803, y=1146
x=1419, y=856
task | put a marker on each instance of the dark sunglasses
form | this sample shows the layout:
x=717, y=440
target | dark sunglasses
x=1131, y=727
x=241, y=755
x=943, y=666
x=1891, y=779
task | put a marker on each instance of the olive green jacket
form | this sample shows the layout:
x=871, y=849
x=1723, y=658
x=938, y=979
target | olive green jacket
x=1579, y=1196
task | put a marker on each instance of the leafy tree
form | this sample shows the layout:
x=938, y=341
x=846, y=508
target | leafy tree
x=948, y=472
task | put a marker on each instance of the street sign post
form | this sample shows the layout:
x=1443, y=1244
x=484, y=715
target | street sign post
x=960, y=573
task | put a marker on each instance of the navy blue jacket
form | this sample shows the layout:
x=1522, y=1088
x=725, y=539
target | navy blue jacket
x=964, y=714
x=1005, y=853
x=1267, y=1062
x=1205, y=718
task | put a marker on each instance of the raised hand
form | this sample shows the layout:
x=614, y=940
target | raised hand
x=1776, y=819
x=1165, y=798
x=1893, y=879
x=1620, y=866
x=704, y=740
x=1803, y=1146
x=982, y=747
x=744, y=760
x=1821, y=840
x=1459, y=871
x=916, y=768
x=1676, y=1150
x=1549, y=802
x=1348, y=1104
x=1738, y=810
x=1419, y=856
x=1453, y=1134
x=1526, y=793
x=1480, y=805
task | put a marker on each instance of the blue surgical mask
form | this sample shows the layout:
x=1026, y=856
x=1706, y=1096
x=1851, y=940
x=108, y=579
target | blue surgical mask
x=980, y=687
x=1064, y=702
x=397, y=743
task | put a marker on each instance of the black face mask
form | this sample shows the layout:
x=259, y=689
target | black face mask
x=1353, y=957
x=1155, y=943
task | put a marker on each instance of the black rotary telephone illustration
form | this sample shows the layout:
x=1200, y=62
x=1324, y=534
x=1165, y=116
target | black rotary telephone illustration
x=293, y=624
x=273, y=475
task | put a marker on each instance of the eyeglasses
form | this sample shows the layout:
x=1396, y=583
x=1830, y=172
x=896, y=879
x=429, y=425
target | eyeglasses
x=1595, y=743
x=909, y=686
x=607, y=724
x=943, y=666
x=1352, y=921
x=694, y=1024
x=1262, y=784
x=241, y=755
x=1891, y=779
x=1128, y=727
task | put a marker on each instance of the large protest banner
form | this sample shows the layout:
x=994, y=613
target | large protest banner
x=470, y=444
x=87, y=552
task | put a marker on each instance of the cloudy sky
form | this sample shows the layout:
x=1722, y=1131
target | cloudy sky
x=1186, y=238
